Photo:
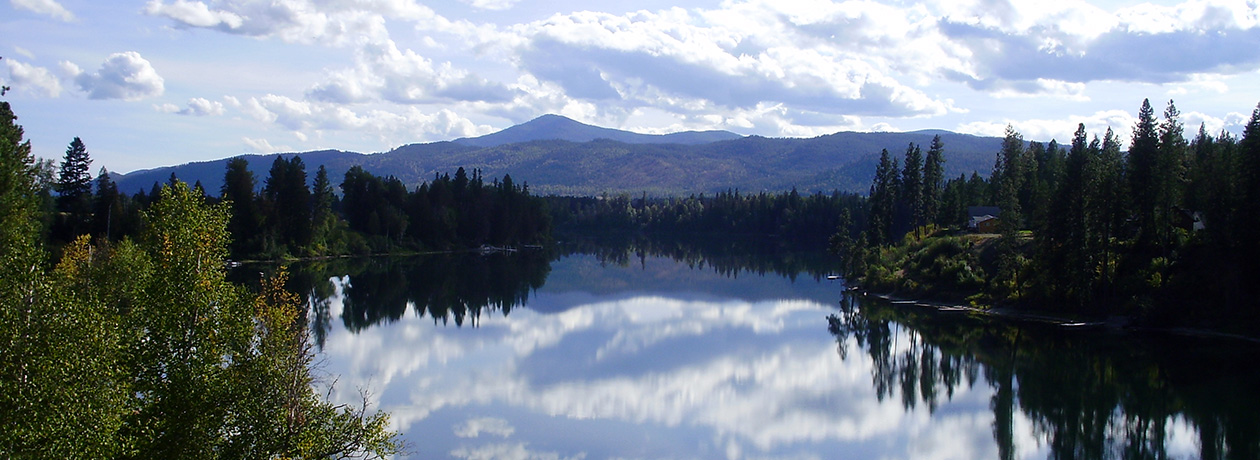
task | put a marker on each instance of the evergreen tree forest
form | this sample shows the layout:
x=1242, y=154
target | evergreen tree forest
x=786, y=219
x=375, y=214
x=285, y=215
x=138, y=347
x=1165, y=233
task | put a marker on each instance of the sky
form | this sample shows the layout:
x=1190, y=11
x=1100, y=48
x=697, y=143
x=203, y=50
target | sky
x=164, y=82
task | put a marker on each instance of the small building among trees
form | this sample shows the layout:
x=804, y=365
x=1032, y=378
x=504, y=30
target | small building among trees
x=983, y=219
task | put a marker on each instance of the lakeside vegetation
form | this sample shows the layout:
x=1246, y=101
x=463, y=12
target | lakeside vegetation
x=1086, y=395
x=140, y=348
x=1167, y=233
x=287, y=216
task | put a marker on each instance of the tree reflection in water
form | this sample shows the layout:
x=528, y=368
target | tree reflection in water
x=450, y=288
x=458, y=288
x=1083, y=394
x=1088, y=394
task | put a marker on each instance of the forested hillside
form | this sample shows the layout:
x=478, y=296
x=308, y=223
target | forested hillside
x=1165, y=233
x=842, y=161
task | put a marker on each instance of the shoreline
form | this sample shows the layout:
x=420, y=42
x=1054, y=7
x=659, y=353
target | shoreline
x=1114, y=324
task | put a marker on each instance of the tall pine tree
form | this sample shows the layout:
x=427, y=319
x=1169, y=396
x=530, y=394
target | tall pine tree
x=238, y=189
x=74, y=188
x=912, y=188
x=933, y=180
x=1143, y=177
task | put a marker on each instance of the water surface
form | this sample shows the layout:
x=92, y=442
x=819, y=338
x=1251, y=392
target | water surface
x=624, y=354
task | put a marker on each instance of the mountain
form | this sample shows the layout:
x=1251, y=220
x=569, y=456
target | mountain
x=841, y=161
x=556, y=127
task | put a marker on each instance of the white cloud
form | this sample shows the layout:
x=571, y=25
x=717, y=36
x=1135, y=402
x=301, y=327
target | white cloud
x=23, y=52
x=491, y=4
x=472, y=428
x=202, y=107
x=1120, y=122
x=263, y=146
x=45, y=7
x=383, y=72
x=126, y=76
x=295, y=21
x=32, y=79
x=194, y=14
x=652, y=59
x=504, y=451
x=393, y=127
x=196, y=107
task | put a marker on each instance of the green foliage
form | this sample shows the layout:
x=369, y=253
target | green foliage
x=145, y=350
x=933, y=179
x=74, y=194
x=1171, y=224
x=937, y=266
x=785, y=217
x=286, y=205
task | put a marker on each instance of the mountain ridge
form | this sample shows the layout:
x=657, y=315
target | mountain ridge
x=550, y=165
x=559, y=127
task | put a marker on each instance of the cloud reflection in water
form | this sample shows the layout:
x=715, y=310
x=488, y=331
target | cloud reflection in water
x=721, y=377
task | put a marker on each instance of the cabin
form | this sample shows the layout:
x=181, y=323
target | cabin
x=1191, y=221
x=983, y=219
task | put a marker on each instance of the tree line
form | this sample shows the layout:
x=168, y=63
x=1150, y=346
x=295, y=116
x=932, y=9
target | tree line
x=287, y=216
x=140, y=348
x=1086, y=227
x=785, y=218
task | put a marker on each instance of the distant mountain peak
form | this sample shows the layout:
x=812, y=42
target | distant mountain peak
x=559, y=127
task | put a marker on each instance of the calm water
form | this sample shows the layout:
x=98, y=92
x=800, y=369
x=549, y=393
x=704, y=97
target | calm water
x=675, y=353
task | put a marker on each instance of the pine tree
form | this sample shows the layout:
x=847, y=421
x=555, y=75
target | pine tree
x=883, y=199
x=74, y=188
x=1008, y=180
x=1170, y=175
x=107, y=209
x=290, y=202
x=1248, y=226
x=238, y=189
x=1111, y=203
x=933, y=180
x=323, y=220
x=1143, y=177
x=1067, y=242
x=912, y=192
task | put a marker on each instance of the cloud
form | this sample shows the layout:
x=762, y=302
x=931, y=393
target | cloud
x=126, y=76
x=1120, y=122
x=489, y=425
x=45, y=7
x=196, y=107
x=263, y=146
x=383, y=72
x=390, y=126
x=651, y=58
x=764, y=66
x=194, y=14
x=33, y=79
x=23, y=52
x=294, y=21
x=497, y=5
x=517, y=451
x=1148, y=44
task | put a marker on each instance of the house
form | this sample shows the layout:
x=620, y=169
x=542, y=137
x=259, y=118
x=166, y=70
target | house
x=1188, y=220
x=983, y=219
x=985, y=224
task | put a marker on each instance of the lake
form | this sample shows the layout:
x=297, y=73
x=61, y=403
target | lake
x=667, y=351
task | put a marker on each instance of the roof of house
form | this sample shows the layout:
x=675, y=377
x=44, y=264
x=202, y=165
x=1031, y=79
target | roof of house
x=977, y=211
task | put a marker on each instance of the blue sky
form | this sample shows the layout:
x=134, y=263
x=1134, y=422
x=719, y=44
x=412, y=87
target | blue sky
x=161, y=82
